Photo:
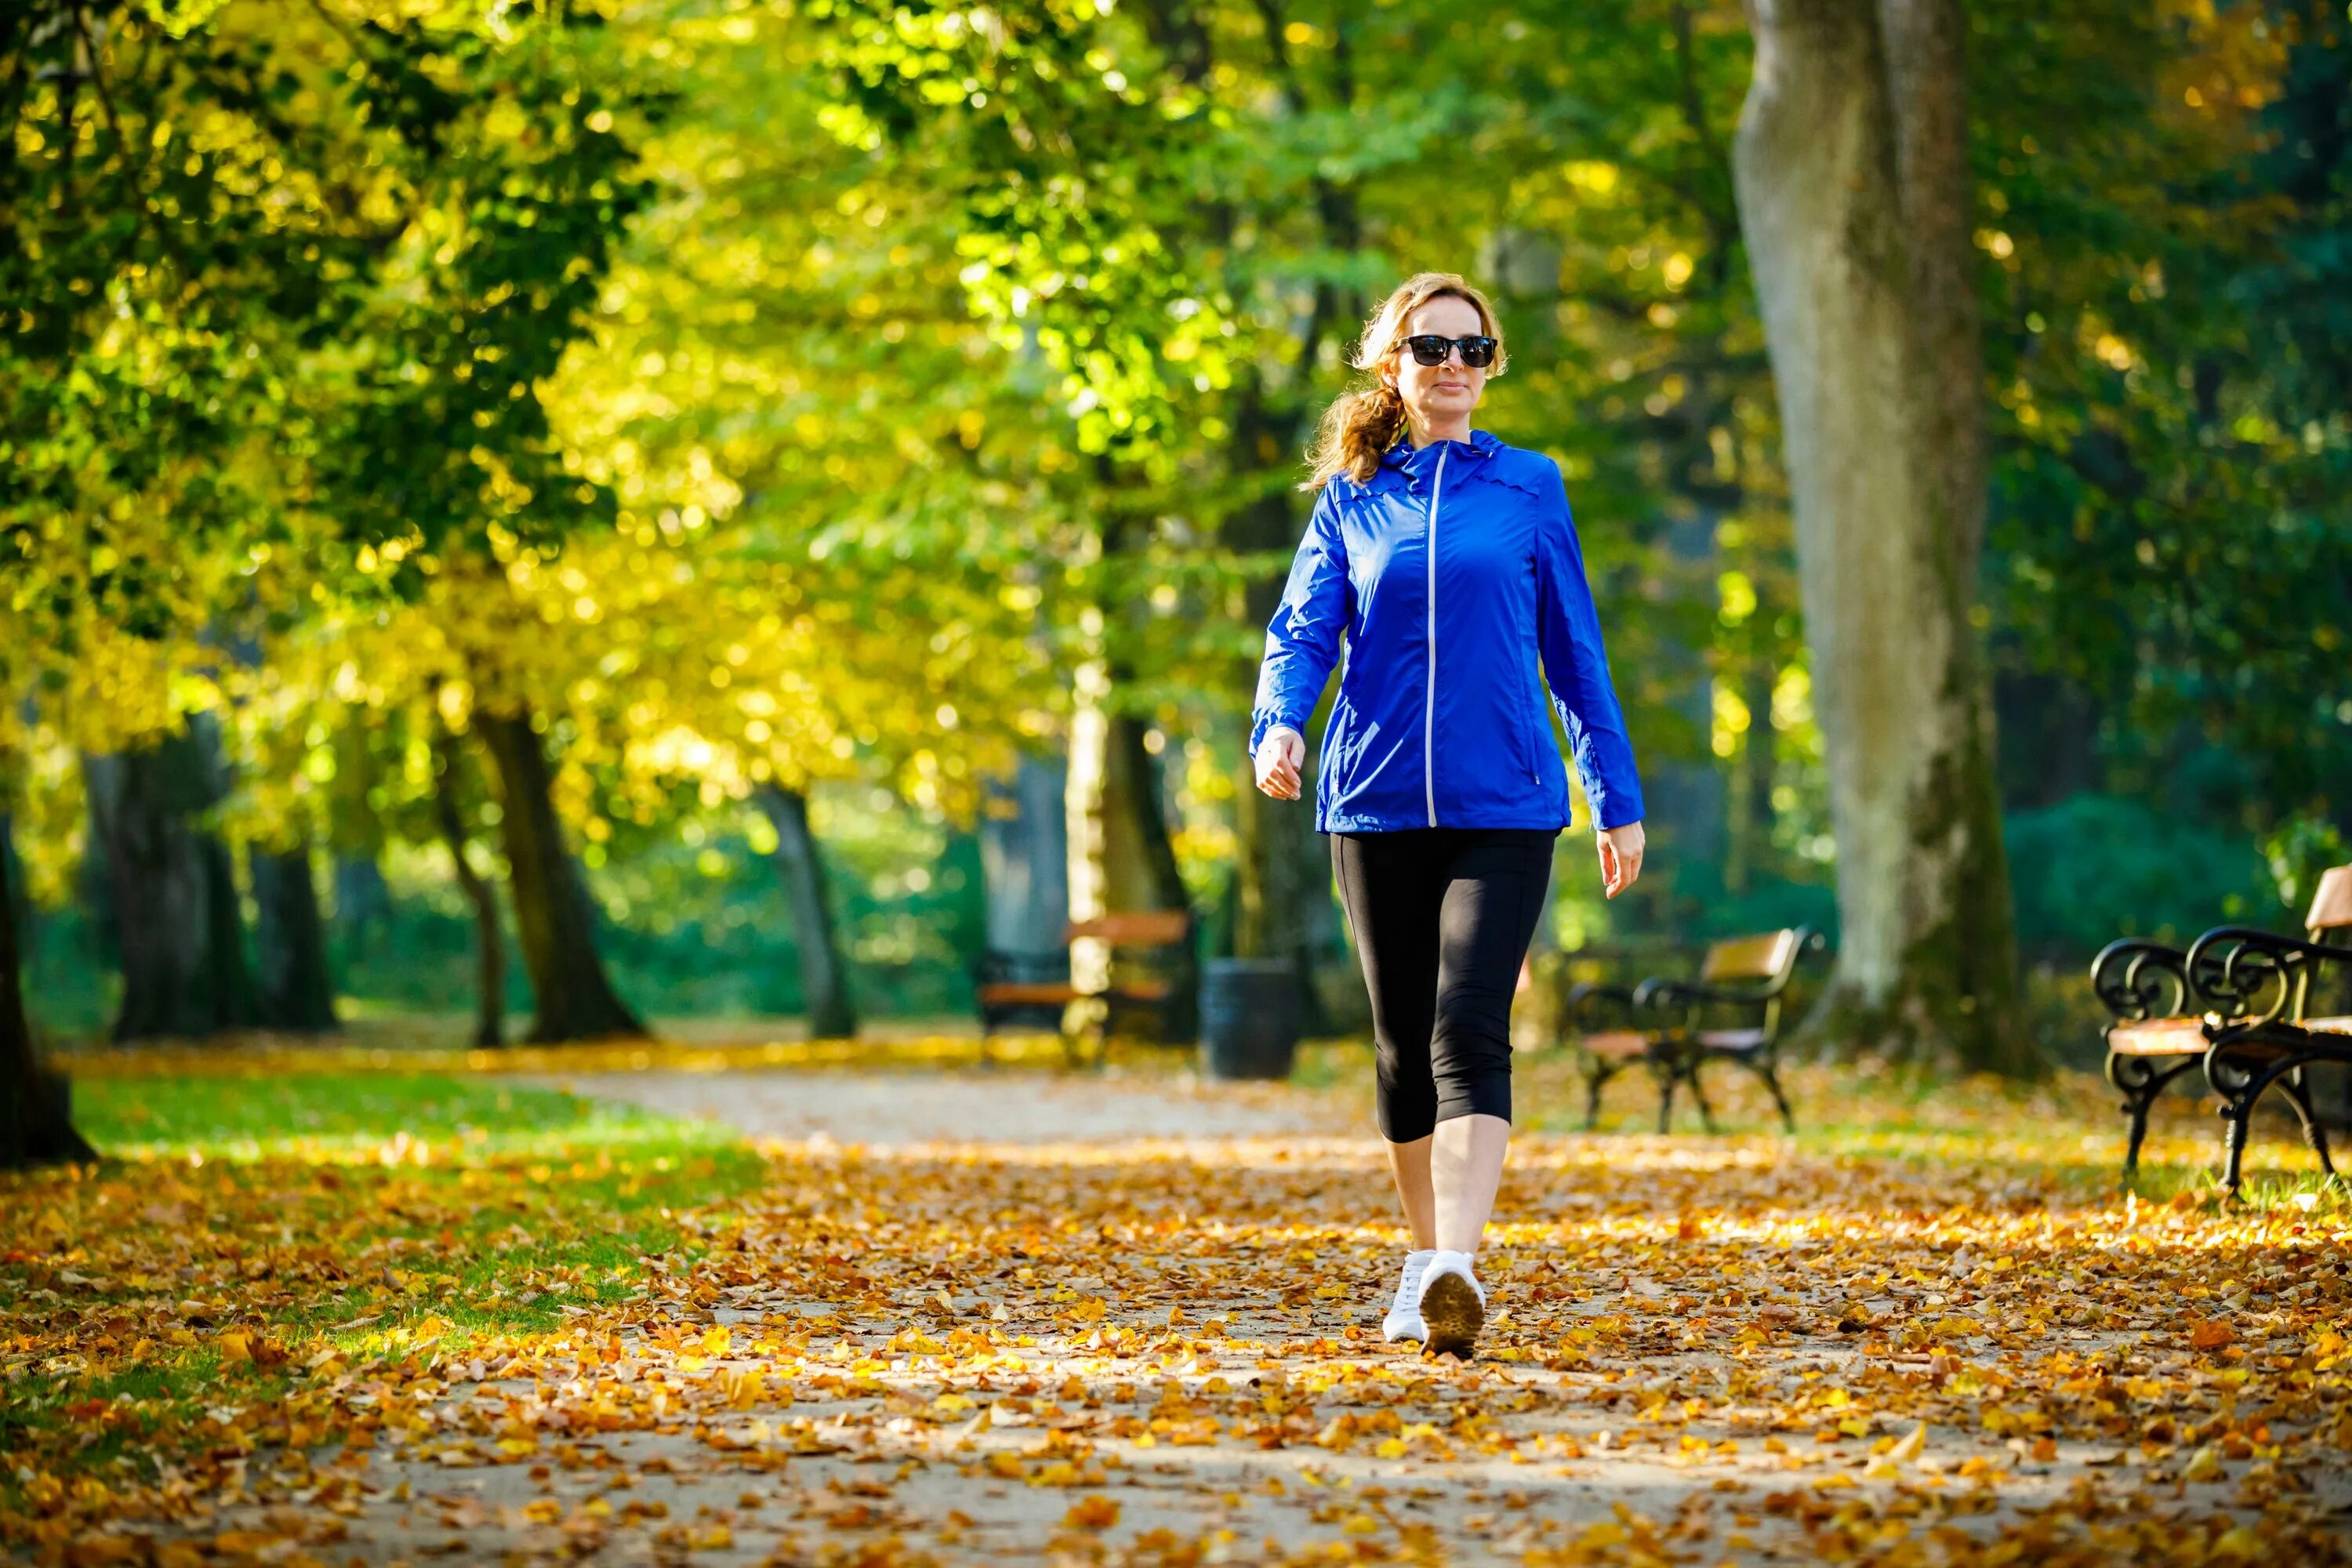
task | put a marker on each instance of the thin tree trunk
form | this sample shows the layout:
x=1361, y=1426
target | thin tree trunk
x=34, y=1129
x=489, y=945
x=1121, y=858
x=824, y=977
x=289, y=939
x=574, y=999
x=1876, y=375
x=1747, y=826
x=173, y=894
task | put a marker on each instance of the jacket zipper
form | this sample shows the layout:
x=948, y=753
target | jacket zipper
x=1428, y=704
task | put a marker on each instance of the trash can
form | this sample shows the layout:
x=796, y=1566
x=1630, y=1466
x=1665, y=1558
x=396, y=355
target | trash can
x=1249, y=1018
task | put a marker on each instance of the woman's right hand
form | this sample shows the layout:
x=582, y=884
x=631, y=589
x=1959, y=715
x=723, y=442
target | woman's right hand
x=1279, y=758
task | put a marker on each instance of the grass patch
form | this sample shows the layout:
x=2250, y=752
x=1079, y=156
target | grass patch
x=180, y=1116
x=240, y=1227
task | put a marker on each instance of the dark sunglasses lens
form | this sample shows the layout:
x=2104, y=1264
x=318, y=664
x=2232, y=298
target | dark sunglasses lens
x=1428, y=348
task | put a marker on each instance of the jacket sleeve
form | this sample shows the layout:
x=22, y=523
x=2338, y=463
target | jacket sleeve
x=1567, y=636
x=1302, y=641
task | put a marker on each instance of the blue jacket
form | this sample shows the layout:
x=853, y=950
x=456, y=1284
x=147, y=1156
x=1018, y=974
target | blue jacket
x=1449, y=574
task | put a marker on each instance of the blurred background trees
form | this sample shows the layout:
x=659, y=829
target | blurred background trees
x=587, y=510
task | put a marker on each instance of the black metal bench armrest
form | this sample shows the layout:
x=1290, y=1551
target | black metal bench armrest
x=2247, y=976
x=1664, y=993
x=2137, y=980
x=997, y=966
x=1587, y=1006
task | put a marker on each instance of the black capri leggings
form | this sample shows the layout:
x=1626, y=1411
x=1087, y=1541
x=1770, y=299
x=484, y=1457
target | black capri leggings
x=1442, y=918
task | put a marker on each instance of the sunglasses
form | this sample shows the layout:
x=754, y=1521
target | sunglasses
x=1428, y=348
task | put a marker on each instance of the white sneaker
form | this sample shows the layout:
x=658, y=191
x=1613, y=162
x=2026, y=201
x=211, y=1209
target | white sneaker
x=1453, y=1305
x=1403, y=1321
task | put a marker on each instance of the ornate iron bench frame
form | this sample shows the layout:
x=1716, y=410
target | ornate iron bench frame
x=1676, y=1026
x=2234, y=1005
x=2262, y=1036
x=2157, y=1034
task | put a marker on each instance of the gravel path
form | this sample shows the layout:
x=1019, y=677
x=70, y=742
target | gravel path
x=905, y=1109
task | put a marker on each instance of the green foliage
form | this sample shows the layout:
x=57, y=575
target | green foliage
x=2168, y=246
x=2095, y=868
x=516, y=187
x=259, y=256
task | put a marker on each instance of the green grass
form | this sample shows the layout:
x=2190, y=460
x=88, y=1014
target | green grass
x=484, y=1207
x=312, y=1114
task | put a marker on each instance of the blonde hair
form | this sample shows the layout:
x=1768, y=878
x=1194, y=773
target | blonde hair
x=1360, y=426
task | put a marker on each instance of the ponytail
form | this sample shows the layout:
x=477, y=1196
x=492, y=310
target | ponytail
x=1356, y=428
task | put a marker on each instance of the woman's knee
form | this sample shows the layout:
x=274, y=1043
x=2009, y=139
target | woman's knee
x=1470, y=1068
x=1407, y=1111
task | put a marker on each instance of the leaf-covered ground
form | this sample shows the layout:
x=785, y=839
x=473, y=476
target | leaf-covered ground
x=320, y=1308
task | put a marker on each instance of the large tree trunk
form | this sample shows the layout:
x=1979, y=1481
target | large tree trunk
x=1853, y=222
x=489, y=945
x=575, y=1001
x=34, y=1129
x=290, y=943
x=1121, y=858
x=824, y=977
x=173, y=891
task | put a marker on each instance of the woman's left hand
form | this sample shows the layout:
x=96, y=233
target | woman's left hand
x=1620, y=857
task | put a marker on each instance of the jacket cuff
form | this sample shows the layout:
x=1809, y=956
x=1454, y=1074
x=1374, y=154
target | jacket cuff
x=1619, y=808
x=1267, y=726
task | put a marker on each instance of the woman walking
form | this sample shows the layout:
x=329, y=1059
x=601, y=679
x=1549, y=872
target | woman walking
x=1448, y=562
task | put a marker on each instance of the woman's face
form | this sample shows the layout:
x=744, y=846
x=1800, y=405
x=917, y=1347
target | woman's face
x=1439, y=395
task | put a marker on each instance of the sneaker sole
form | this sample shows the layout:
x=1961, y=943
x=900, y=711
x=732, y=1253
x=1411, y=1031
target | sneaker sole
x=1454, y=1315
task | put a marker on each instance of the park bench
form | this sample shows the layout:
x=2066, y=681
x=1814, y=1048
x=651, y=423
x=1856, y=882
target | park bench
x=2159, y=1028
x=2262, y=1029
x=1010, y=986
x=1730, y=1012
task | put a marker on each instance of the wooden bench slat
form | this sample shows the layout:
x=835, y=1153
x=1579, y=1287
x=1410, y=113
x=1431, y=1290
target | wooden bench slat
x=2331, y=902
x=2159, y=1037
x=2329, y=1026
x=1617, y=1043
x=1015, y=992
x=1731, y=1039
x=1134, y=928
x=1760, y=957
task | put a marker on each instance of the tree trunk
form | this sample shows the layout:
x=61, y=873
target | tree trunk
x=34, y=1129
x=1880, y=385
x=824, y=977
x=1121, y=858
x=363, y=901
x=1024, y=859
x=173, y=890
x=1280, y=873
x=489, y=945
x=1748, y=804
x=574, y=1000
x=289, y=941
